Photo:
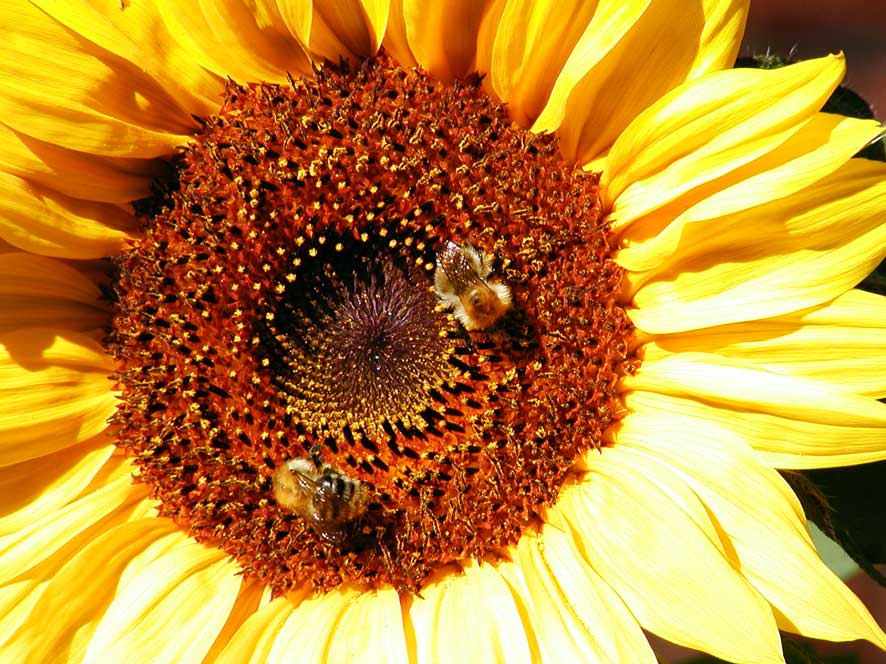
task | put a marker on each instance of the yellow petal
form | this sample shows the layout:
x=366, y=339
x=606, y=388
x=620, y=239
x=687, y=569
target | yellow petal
x=36, y=291
x=297, y=15
x=709, y=127
x=68, y=528
x=37, y=552
x=778, y=257
x=187, y=590
x=66, y=615
x=350, y=27
x=757, y=511
x=258, y=45
x=54, y=392
x=783, y=440
x=477, y=603
x=733, y=383
x=443, y=35
x=308, y=630
x=638, y=536
x=31, y=489
x=396, y=42
x=841, y=342
x=253, y=641
x=62, y=89
x=576, y=616
x=371, y=627
x=700, y=187
x=138, y=34
x=17, y=600
x=42, y=221
x=522, y=49
x=617, y=68
x=253, y=596
x=75, y=174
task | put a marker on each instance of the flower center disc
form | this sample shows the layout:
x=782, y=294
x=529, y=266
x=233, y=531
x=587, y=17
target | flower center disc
x=297, y=388
x=358, y=341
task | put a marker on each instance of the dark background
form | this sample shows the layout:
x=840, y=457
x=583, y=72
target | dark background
x=816, y=27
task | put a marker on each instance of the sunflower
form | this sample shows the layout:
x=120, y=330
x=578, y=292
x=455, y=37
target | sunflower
x=424, y=331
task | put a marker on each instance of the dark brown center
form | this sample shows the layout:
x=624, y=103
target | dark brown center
x=369, y=329
x=355, y=339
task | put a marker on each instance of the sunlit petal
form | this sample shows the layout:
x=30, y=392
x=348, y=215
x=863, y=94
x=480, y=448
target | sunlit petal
x=840, y=342
x=784, y=440
x=444, y=52
x=616, y=70
x=166, y=596
x=43, y=221
x=575, y=614
x=477, y=602
x=258, y=43
x=655, y=527
x=55, y=392
x=751, y=505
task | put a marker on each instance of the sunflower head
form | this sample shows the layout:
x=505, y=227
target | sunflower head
x=424, y=320
x=371, y=295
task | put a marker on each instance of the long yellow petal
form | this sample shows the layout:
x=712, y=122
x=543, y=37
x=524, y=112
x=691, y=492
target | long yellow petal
x=756, y=511
x=842, y=342
x=576, y=616
x=67, y=529
x=75, y=174
x=54, y=392
x=738, y=177
x=258, y=44
x=252, y=597
x=372, y=626
x=17, y=600
x=62, y=89
x=31, y=489
x=352, y=27
x=137, y=34
x=297, y=15
x=617, y=69
x=165, y=599
x=734, y=383
x=87, y=517
x=41, y=292
x=65, y=617
x=778, y=257
x=477, y=602
x=309, y=628
x=522, y=49
x=253, y=642
x=709, y=127
x=662, y=556
x=783, y=439
x=396, y=41
x=443, y=35
x=342, y=30
x=43, y=221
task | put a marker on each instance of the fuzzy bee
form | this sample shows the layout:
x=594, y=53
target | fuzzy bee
x=462, y=283
x=323, y=495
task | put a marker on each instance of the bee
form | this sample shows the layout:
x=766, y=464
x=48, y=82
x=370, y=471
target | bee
x=462, y=282
x=320, y=493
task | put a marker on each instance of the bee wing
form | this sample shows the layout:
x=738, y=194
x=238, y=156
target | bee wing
x=306, y=484
x=457, y=268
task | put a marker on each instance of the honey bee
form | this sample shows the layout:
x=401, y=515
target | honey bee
x=462, y=282
x=323, y=495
